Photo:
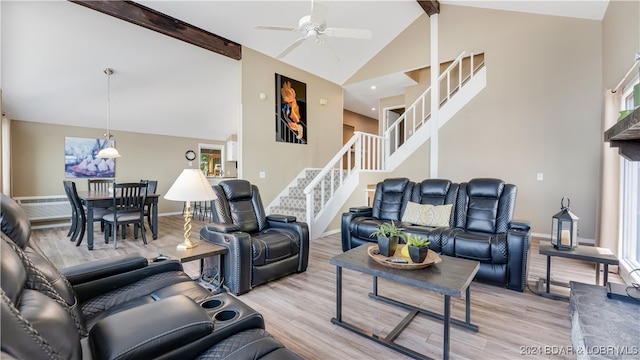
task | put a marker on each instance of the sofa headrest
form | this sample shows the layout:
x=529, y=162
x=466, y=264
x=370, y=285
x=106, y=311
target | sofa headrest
x=14, y=221
x=434, y=187
x=488, y=188
x=394, y=185
x=236, y=189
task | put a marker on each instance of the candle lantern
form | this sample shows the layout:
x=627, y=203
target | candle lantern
x=564, y=228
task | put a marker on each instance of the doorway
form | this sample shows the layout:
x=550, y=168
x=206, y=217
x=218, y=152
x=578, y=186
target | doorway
x=390, y=116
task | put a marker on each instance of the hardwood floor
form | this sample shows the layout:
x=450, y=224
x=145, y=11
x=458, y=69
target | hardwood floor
x=298, y=308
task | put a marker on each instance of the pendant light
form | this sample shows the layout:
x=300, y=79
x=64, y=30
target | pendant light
x=108, y=151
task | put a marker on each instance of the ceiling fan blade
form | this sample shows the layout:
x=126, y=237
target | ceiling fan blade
x=318, y=11
x=291, y=47
x=348, y=33
x=328, y=51
x=281, y=28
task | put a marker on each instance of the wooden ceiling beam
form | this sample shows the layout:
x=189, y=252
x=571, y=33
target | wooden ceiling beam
x=153, y=20
x=431, y=7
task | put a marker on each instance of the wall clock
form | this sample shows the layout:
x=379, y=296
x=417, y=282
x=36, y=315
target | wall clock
x=190, y=155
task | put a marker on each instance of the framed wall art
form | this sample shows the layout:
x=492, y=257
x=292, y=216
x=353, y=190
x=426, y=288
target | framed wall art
x=291, y=110
x=80, y=159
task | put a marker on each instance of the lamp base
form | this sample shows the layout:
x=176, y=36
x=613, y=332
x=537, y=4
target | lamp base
x=187, y=244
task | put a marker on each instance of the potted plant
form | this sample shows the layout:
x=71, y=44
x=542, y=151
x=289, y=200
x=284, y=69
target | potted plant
x=389, y=236
x=418, y=247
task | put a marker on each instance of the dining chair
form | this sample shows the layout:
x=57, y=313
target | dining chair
x=99, y=184
x=79, y=213
x=128, y=208
x=152, y=186
x=73, y=229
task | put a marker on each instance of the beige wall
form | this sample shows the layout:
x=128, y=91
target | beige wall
x=620, y=40
x=282, y=162
x=360, y=122
x=38, y=158
x=540, y=111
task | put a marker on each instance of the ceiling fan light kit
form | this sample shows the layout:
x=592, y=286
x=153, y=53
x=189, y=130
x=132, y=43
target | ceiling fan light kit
x=314, y=26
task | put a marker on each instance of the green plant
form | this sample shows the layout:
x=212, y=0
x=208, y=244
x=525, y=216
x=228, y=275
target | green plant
x=416, y=241
x=388, y=230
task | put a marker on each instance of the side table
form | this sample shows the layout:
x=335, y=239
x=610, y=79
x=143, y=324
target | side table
x=594, y=254
x=203, y=250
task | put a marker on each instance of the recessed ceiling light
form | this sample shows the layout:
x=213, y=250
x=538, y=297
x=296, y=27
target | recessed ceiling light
x=373, y=109
x=373, y=87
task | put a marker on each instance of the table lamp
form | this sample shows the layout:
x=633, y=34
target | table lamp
x=190, y=186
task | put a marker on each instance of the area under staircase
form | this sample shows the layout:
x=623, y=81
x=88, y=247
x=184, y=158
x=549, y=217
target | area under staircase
x=317, y=195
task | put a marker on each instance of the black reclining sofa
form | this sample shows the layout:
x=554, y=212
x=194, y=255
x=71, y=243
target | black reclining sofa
x=480, y=226
x=119, y=308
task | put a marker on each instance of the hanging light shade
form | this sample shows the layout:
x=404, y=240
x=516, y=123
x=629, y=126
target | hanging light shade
x=108, y=151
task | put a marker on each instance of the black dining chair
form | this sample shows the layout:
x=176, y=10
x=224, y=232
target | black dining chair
x=79, y=213
x=73, y=229
x=99, y=184
x=152, y=186
x=128, y=208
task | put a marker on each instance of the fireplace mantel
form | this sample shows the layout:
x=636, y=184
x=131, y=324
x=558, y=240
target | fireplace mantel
x=625, y=135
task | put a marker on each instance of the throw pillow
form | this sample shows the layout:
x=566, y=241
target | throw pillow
x=427, y=215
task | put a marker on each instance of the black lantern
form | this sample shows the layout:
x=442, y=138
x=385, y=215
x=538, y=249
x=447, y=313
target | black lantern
x=564, y=228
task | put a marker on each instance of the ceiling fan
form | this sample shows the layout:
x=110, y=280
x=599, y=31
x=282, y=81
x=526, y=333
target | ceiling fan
x=314, y=26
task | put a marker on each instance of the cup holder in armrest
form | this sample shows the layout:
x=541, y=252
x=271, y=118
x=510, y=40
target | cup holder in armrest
x=211, y=304
x=230, y=315
x=226, y=315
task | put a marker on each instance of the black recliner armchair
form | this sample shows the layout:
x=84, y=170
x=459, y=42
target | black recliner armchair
x=260, y=248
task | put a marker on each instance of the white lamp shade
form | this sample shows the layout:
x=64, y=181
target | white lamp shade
x=108, y=153
x=191, y=185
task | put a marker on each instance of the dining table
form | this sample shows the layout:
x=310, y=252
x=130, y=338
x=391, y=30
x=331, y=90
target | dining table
x=104, y=199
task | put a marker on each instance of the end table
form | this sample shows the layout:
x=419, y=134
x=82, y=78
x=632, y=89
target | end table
x=594, y=254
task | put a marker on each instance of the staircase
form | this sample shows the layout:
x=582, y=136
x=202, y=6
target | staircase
x=293, y=201
x=317, y=195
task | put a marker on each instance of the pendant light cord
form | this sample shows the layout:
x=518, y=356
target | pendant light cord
x=108, y=71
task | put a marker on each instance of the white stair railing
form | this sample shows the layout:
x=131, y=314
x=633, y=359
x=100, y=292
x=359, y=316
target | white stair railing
x=415, y=116
x=362, y=152
x=367, y=152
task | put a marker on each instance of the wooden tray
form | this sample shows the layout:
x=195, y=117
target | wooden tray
x=432, y=258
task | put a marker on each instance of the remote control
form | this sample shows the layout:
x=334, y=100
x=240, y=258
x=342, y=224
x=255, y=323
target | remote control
x=397, y=261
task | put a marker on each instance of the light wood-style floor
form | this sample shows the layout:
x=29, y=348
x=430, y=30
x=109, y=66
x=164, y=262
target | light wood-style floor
x=298, y=308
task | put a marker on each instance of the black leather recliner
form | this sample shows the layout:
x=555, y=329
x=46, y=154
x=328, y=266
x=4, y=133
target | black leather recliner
x=118, y=309
x=481, y=226
x=260, y=248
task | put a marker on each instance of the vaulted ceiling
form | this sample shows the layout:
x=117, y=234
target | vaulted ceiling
x=53, y=53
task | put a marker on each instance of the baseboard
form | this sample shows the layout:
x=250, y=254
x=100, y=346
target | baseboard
x=582, y=241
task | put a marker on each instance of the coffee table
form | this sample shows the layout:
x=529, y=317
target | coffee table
x=594, y=254
x=451, y=277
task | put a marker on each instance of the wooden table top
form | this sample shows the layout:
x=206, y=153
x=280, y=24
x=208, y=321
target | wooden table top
x=203, y=250
x=586, y=253
x=450, y=277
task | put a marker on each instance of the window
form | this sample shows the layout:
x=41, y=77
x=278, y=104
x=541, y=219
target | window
x=630, y=217
x=630, y=206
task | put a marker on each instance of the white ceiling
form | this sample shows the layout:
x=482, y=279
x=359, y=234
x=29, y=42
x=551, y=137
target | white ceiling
x=53, y=53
